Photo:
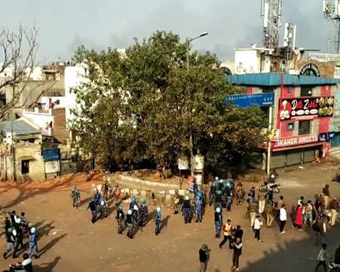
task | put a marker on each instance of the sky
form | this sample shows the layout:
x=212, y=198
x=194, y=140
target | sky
x=98, y=24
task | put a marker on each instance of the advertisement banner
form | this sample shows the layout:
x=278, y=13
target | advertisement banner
x=52, y=167
x=336, y=120
x=303, y=108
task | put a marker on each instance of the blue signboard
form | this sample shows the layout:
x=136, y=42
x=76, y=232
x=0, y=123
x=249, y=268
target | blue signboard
x=51, y=154
x=327, y=136
x=246, y=100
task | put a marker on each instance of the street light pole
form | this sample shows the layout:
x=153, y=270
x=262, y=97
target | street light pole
x=188, y=70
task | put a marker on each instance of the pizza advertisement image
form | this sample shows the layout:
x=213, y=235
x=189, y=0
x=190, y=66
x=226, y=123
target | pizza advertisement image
x=306, y=108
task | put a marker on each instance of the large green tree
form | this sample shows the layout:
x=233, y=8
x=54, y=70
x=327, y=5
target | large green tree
x=145, y=104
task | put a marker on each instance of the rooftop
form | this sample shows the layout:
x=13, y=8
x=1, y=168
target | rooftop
x=274, y=79
x=20, y=127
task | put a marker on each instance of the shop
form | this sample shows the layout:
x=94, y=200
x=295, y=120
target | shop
x=301, y=122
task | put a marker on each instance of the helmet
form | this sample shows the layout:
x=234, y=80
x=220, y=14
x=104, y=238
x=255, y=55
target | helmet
x=18, y=220
x=9, y=230
x=204, y=246
x=133, y=199
x=158, y=209
x=33, y=230
x=144, y=201
x=129, y=212
x=187, y=198
x=216, y=178
x=218, y=210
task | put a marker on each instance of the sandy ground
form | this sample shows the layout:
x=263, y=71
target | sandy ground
x=69, y=242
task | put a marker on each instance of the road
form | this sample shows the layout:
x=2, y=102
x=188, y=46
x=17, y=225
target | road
x=69, y=242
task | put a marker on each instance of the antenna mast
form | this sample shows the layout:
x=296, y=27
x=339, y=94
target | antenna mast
x=271, y=13
x=331, y=12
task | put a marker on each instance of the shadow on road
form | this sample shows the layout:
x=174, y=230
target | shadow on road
x=164, y=222
x=47, y=267
x=51, y=244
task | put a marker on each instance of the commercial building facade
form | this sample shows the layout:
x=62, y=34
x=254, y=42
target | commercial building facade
x=304, y=118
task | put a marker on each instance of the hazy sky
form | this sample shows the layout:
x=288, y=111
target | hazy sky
x=66, y=24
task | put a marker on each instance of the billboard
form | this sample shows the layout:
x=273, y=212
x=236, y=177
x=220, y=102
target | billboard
x=336, y=120
x=52, y=167
x=246, y=100
x=306, y=108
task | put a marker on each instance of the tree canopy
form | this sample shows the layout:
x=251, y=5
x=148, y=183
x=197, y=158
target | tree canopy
x=144, y=104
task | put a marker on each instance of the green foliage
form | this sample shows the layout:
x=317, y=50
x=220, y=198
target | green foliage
x=143, y=105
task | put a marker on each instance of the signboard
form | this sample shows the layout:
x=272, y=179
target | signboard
x=297, y=140
x=246, y=100
x=306, y=108
x=52, y=167
x=310, y=69
x=51, y=154
x=327, y=136
x=336, y=120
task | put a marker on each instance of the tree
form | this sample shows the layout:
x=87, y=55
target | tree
x=145, y=105
x=17, y=53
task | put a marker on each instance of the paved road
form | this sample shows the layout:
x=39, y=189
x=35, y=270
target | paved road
x=69, y=242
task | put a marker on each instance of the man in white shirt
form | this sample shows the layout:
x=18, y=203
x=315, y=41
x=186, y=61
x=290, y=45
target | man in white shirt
x=283, y=218
x=322, y=257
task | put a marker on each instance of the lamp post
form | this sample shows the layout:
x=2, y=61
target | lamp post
x=188, y=69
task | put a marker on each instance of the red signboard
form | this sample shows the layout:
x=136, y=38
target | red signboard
x=304, y=108
x=297, y=140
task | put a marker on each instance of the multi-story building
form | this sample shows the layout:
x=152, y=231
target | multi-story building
x=304, y=116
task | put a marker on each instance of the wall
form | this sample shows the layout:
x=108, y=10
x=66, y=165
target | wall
x=73, y=77
x=246, y=61
x=42, y=119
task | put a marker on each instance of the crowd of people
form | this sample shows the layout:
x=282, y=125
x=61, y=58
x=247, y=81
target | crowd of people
x=17, y=230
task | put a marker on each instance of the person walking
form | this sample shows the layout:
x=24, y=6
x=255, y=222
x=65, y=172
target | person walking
x=269, y=213
x=308, y=215
x=10, y=239
x=327, y=195
x=262, y=203
x=75, y=194
x=283, y=218
x=237, y=247
x=322, y=258
x=320, y=228
x=158, y=220
x=334, y=206
x=257, y=228
x=252, y=213
x=218, y=222
x=33, y=243
x=120, y=216
x=187, y=211
x=143, y=214
x=93, y=208
x=130, y=222
x=204, y=257
x=299, y=217
x=239, y=232
x=227, y=232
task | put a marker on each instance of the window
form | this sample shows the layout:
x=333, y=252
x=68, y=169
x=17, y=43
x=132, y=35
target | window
x=304, y=127
x=25, y=167
x=290, y=126
x=306, y=91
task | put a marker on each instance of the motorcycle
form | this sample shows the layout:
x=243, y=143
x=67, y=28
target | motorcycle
x=336, y=178
x=333, y=267
x=270, y=187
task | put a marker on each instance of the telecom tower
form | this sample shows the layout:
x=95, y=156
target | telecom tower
x=331, y=11
x=271, y=13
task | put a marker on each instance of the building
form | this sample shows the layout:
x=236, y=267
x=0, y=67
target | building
x=304, y=116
